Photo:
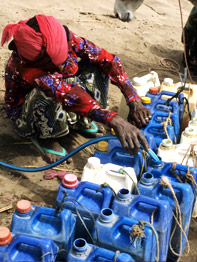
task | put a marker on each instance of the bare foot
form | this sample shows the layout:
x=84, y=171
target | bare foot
x=53, y=145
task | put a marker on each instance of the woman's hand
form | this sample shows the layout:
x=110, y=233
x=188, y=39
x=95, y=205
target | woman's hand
x=129, y=135
x=138, y=114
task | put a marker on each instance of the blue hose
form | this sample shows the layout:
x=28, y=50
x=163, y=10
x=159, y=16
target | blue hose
x=39, y=169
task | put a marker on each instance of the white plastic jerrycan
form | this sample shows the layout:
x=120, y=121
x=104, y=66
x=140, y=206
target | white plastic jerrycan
x=193, y=124
x=179, y=153
x=189, y=135
x=116, y=176
x=141, y=86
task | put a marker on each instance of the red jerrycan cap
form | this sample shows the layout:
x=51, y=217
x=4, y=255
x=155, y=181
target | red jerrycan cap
x=153, y=90
x=23, y=206
x=5, y=236
x=70, y=181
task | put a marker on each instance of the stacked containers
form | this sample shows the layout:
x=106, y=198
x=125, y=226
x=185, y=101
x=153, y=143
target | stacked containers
x=115, y=176
x=151, y=187
x=83, y=251
x=44, y=222
x=156, y=103
x=139, y=207
x=126, y=235
x=111, y=151
x=160, y=98
x=176, y=172
x=14, y=247
x=85, y=200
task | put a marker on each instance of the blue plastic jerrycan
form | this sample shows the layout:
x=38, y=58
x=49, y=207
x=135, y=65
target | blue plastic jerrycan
x=156, y=99
x=44, y=222
x=161, y=116
x=156, y=129
x=111, y=151
x=85, y=200
x=83, y=251
x=176, y=172
x=22, y=248
x=139, y=207
x=151, y=187
x=126, y=235
x=155, y=105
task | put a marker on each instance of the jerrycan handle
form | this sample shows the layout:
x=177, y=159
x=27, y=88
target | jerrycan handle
x=164, y=108
x=122, y=155
x=35, y=243
x=89, y=185
x=107, y=192
x=180, y=167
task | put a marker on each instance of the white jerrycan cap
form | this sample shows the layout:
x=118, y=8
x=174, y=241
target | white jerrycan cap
x=168, y=81
x=137, y=81
x=189, y=131
x=93, y=162
x=193, y=121
x=166, y=143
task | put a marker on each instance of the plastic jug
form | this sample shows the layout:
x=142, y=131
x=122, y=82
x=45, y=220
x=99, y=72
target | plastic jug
x=139, y=207
x=111, y=151
x=189, y=136
x=161, y=116
x=151, y=187
x=115, y=175
x=190, y=92
x=44, y=222
x=83, y=251
x=158, y=132
x=174, y=171
x=15, y=248
x=193, y=123
x=160, y=98
x=179, y=153
x=118, y=233
x=141, y=85
x=84, y=199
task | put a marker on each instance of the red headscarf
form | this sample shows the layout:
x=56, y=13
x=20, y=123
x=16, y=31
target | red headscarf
x=29, y=43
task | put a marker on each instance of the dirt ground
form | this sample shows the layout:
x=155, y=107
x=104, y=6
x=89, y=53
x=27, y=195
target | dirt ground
x=153, y=36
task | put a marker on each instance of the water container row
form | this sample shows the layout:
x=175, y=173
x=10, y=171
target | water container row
x=43, y=234
x=145, y=207
x=162, y=110
x=184, y=152
x=139, y=224
x=176, y=173
x=133, y=224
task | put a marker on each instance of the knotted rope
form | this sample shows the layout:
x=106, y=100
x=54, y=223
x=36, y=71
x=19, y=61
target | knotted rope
x=167, y=122
x=177, y=216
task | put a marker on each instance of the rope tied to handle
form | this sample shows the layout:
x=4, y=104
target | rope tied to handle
x=174, y=173
x=177, y=216
x=116, y=255
x=188, y=176
x=167, y=122
x=105, y=185
x=137, y=232
x=190, y=152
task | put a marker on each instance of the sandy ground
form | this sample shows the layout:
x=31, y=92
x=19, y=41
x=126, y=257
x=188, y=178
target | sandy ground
x=154, y=34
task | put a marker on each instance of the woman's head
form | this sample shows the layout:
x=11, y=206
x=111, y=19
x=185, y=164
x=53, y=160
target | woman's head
x=38, y=36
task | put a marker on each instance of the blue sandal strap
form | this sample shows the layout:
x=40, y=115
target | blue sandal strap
x=91, y=130
x=63, y=153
